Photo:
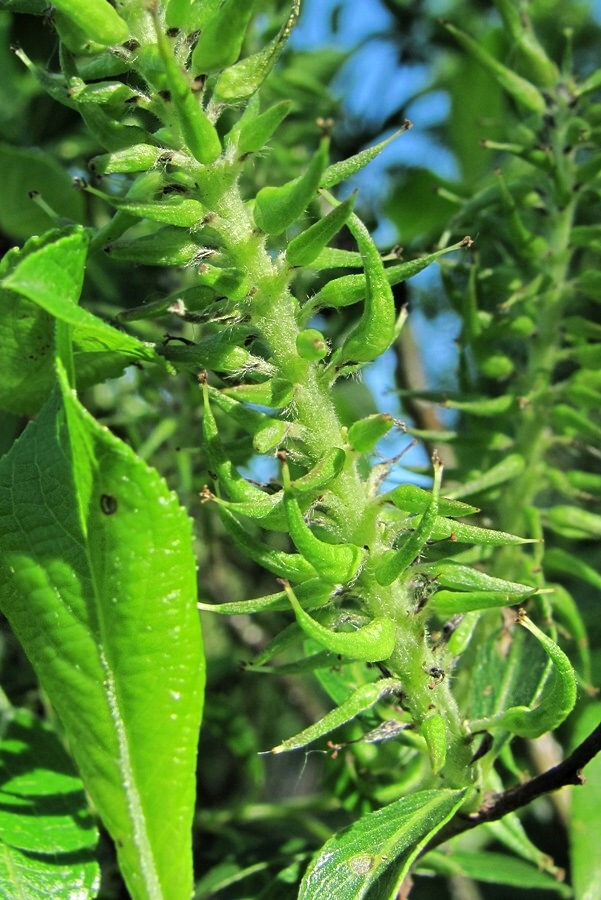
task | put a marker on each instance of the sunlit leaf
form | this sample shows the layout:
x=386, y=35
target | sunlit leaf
x=351, y=863
x=98, y=582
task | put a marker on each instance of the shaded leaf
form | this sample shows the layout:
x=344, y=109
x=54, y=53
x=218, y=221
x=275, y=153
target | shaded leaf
x=493, y=868
x=48, y=836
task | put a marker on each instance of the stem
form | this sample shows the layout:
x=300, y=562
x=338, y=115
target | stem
x=498, y=805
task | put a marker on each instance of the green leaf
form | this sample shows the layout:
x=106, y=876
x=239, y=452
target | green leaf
x=585, y=818
x=45, y=277
x=492, y=868
x=98, y=581
x=27, y=340
x=351, y=863
x=506, y=674
x=475, y=97
x=26, y=875
x=510, y=832
x=52, y=278
x=48, y=836
x=555, y=702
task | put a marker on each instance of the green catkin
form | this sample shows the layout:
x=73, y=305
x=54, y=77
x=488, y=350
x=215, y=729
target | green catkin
x=373, y=642
x=395, y=562
x=337, y=563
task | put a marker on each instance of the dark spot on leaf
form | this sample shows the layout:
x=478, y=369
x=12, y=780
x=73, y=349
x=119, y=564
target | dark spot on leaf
x=108, y=504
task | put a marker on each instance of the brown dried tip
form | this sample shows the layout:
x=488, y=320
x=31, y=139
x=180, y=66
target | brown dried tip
x=205, y=495
x=407, y=124
x=467, y=241
x=202, y=377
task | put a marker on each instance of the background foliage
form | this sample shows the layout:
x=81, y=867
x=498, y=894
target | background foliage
x=497, y=368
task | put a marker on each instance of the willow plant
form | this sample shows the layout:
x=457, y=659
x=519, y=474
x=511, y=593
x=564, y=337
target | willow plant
x=389, y=589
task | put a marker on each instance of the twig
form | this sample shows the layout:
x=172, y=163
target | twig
x=496, y=806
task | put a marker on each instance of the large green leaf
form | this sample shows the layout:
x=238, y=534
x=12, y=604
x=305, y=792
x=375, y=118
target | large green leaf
x=48, y=836
x=97, y=578
x=379, y=848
